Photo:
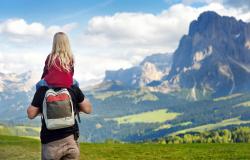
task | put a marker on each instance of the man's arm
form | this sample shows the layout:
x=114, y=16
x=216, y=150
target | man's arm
x=35, y=107
x=85, y=106
x=32, y=112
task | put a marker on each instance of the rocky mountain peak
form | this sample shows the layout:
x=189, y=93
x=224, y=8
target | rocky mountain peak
x=204, y=22
x=212, y=55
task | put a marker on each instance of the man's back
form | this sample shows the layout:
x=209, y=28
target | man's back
x=58, y=143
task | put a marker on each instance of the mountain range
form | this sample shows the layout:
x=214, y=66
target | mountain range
x=213, y=58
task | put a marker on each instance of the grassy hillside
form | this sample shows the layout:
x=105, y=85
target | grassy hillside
x=136, y=115
x=13, y=148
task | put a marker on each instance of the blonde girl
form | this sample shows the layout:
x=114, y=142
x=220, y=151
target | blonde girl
x=59, y=65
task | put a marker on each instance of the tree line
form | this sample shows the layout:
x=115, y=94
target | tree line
x=235, y=135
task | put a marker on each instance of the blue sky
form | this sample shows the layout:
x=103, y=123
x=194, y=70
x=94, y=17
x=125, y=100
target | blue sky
x=65, y=11
x=62, y=11
x=104, y=35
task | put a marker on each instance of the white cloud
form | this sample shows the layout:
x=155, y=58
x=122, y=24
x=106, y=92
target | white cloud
x=190, y=2
x=19, y=63
x=18, y=30
x=133, y=30
x=20, y=27
x=128, y=34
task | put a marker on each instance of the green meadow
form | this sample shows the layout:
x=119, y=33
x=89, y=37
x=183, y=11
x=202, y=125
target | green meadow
x=160, y=116
x=18, y=148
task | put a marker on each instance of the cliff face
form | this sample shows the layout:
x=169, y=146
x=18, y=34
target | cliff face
x=214, y=56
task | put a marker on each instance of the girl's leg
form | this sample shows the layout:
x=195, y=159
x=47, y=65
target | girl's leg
x=75, y=83
x=41, y=83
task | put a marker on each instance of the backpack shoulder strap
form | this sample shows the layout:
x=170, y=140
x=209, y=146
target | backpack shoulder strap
x=75, y=106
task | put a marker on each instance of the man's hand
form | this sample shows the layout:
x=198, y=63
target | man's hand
x=85, y=106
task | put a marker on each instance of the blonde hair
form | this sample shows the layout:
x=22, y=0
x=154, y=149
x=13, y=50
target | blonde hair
x=61, y=50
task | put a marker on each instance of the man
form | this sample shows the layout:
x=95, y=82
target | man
x=60, y=143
